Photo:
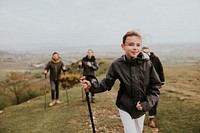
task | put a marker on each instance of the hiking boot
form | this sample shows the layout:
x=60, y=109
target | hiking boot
x=58, y=101
x=93, y=100
x=53, y=102
x=152, y=123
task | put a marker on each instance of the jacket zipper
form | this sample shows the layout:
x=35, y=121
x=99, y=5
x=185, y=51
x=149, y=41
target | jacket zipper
x=56, y=74
x=131, y=98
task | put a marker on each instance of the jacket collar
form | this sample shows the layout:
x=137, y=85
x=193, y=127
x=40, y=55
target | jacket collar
x=56, y=61
x=142, y=57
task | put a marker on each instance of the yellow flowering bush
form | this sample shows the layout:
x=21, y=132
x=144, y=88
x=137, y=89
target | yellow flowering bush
x=69, y=80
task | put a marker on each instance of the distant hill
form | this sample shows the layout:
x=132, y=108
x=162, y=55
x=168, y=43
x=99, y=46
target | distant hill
x=168, y=53
x=3, y=53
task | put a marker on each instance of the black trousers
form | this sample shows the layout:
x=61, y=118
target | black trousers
x=54, y=89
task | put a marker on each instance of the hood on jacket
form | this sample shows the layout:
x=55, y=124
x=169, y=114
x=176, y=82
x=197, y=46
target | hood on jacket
x=92, y=59
x=142, y=56
x=56, y=61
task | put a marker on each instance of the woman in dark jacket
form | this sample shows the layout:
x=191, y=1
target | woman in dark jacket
x=89, y=65
x=139, y=83
x=159, y=69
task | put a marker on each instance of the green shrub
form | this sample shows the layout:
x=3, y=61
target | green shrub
x=3, y=104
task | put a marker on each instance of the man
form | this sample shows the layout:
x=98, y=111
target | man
x=54, y=66
x=159, y=69
x=89, y=65
x=139, y=83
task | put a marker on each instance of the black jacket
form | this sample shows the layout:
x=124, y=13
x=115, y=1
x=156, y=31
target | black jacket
x=55, y=69
x=138, y=82
x=89, y=70
x=158, y=66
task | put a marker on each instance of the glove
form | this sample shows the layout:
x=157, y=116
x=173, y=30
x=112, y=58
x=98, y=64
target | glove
x=85, y=83
x=93, y=80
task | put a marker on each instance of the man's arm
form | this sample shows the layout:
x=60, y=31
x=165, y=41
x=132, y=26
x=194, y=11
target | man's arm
x=46, y=69
x=63, y=68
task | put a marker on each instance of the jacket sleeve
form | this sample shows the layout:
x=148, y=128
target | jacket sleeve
x=47, y=66
x=153, y=91
x=63, y=68
x=160, y=71
x=107, y=82
x=81, y=66
x=84, y=63
x=95, y=66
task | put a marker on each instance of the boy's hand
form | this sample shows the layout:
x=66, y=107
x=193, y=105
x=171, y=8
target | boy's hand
x=86, y=85
x=139, y=106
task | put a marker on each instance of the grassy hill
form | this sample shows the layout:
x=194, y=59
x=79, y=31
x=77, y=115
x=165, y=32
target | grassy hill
x=178, y=110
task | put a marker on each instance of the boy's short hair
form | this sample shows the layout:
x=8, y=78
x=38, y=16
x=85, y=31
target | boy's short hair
x=130, y=33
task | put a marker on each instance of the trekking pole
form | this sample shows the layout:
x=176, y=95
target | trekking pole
x=82, y=92
x=90, y=111
x=89, y=107
x=45, y=91
x=67, y=95
x=82, y=95
x=64, y=70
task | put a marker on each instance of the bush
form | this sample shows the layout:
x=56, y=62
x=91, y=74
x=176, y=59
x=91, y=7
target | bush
x=69, y=80
x=3, y=104
x=37, y=75
x=29, y=94
x=16, y=89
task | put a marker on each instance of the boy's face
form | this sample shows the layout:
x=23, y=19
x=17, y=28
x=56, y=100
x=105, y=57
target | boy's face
x=132, y=46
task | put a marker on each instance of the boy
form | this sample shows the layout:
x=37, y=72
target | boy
x=139, y=83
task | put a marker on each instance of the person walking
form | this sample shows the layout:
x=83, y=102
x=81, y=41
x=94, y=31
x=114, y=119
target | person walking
x=159, y=69
x=139, y=83
x=89, y=65
x=54, y=66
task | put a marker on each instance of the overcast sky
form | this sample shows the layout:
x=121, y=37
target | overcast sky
x=43, y=24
